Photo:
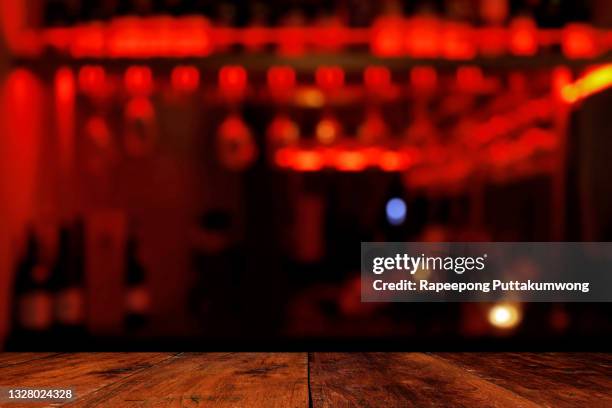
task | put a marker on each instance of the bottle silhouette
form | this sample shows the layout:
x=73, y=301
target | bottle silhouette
x=33, y=315
x=137, y=298
x=68, y=288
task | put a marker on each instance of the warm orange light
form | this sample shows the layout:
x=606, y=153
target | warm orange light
x=307, y=160
x=505, y=316
x=185, y=78
x=591, y=83
x=328, y=130
x=283, y=131
x=350, y=160
x=139, y=80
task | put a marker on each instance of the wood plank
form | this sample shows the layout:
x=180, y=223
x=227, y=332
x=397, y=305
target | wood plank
x=212, y=379
x=555, y=379
x=82, y=372
x=401, y=380
x=8, y=359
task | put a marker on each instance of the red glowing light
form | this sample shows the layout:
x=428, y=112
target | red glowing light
x=350, y=160
x=307, y=160
x=579, y=41
x=388, y=36
x=88, y=41
x=64, y=84
x=233, y=80
x=255, y=38
x=283, y=132
x=458, y=42
x=423, y=78
x=65, y=89
x=423, y=38
x=390, y=161
x=469, y=78
x=330, y=78
x=92, y=78
x=140, y=108
x=281, y=78
x=561, y=77
x=492, y=40
x=185, y=78
x=377, y=78
x=523, y=37
x=235, y=144
x=139, y=80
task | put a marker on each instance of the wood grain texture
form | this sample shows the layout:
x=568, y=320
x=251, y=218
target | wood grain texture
x=82, y=372
x=401, y=380
x=212, y=380
x=549, y=379
x=327, y=380
x=8, y=359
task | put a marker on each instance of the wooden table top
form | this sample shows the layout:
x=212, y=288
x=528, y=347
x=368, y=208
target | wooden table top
x=315, y=379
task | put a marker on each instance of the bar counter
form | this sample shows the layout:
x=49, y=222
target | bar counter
x=314, y=379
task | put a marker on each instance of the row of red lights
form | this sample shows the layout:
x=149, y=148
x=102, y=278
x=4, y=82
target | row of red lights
x=420, y=37
x=316, y=159
x=281, y=80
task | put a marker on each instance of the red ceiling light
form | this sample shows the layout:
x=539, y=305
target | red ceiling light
x=423, y=37
x=579, y=41
x=388, y=36
x=377, y=78
x=139, y=80
x=329, y=78
x=423, y=78
x=233, y=80
x=523, y=37
x=92, y=79
x=140, y=108
x=185, y=78
x=492, y=40
x=469, y=78
x=458, y=41
x=281, y=79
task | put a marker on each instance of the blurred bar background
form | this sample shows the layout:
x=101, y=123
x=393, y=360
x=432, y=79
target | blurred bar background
x=193, y=173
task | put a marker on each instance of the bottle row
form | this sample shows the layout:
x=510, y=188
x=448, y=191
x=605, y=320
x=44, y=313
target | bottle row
x=51, y=290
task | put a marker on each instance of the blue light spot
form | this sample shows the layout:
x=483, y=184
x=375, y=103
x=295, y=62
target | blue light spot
x=396, y=211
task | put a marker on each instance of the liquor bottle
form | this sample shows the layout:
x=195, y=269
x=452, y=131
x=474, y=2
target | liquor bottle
x=137, y=298
x=67, y=283
x=33, y=315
